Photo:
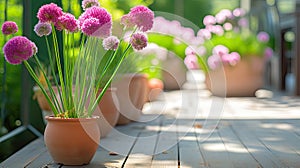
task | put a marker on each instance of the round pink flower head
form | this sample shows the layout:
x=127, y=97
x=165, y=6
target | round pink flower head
x=232, y=58
x=204, y=33
x=49, y=13
x=239, y=12
x=209, y=20
x=138, y=41
x=18, y=49
x=89, y=3
x=9, y=27
x=214, y=62
x=263, y=37
x=140, y=16
x=68, y=22
x=96, y=21
x=220, y=50
x=191, y=61
x=43, y=29
x=111, y=43
x=268, y=53
x=34, y=48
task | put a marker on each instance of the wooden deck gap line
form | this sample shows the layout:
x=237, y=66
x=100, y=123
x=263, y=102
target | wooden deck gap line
x=177, y=144
x=245, y=146
x=157, y=137
x=33, y=159
x=199, y=147
x=136, y=138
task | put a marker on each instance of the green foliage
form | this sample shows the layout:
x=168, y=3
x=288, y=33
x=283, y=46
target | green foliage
x=168, y=42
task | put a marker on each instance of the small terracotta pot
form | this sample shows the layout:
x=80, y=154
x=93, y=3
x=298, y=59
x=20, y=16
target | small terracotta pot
x=107, y=111
x=243, y=79
x=41, y=99
x=72, y=141
x=132, y=90
x=155, y=87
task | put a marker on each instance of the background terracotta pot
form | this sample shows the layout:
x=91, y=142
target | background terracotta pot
x=107, y=111
x=72, y=141
x=132, y=90
x=155, y=87
x=243, y=79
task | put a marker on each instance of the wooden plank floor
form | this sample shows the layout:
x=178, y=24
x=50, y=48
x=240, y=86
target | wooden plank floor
x=191, y=129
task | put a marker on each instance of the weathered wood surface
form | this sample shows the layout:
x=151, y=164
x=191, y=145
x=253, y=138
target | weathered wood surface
x=175, y=132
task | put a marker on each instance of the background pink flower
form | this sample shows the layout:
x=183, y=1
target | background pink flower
x=18, y=49
x=209, y=20
x=9, y=27
x=214, y=62
x=191, y=61
x=89, y=3
x=220, y=50
x=263, y=37
x=49, y=13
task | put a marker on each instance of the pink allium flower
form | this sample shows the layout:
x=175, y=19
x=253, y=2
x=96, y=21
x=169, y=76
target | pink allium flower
x=89, y=3
x=49, y=13
x=220, y=50
x=223, y=15
x=204, y=33
x=268, y=53
x=190, y=51
x=239, y=12
x=9, y=27
x=99, y=26
x=263, y=37
x=191, y=61
x=34, y=48
x=243, y=22
x=43, y=29
x=127, y=21
x=227, y=26
x=18, y=49
x=111, y=43
x=209, y=20
x=232, y=58
x=138, y=41
x=217, y=29
x=140, y=16
x=67, y=21
x=214, y=62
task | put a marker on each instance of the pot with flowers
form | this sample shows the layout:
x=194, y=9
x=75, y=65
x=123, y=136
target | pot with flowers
x=232, y=55
x=72, y=134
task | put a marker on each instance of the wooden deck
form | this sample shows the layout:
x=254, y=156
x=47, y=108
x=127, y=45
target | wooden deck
x=189, y=128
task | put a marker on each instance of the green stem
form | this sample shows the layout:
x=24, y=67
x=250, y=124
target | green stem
x=34, y=76
x=109, y=81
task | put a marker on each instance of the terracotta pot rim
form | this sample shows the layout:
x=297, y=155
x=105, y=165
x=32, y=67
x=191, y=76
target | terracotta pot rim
x=52, y=118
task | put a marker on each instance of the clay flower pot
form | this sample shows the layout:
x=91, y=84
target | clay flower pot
x=107, y=111
x=72, y=141
x=132, y=90
x=155, y=87
x=243, y=79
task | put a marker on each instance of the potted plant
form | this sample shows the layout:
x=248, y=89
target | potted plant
x=231, y=54
x=72, y=134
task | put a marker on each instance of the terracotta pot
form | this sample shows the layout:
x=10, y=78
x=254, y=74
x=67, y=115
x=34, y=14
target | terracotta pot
x=72, y=141
x=107, y=111
x=41, y=99
x=243, y=79
x=155, y=87
x=132, y=90
x=173, y=72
